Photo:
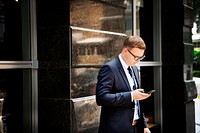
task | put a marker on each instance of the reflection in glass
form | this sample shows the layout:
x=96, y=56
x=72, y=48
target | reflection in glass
x=11, y=91
x=11, y=30
x=130, y=15
x=139, y=4
x=98, y=32
x=83, y=82
x=147, y=83
x=94, y=47
x=105, y=16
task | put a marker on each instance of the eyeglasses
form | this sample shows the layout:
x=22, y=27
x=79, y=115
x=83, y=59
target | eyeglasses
x=136, y=58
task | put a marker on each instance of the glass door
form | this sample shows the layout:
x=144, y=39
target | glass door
x=18, y=66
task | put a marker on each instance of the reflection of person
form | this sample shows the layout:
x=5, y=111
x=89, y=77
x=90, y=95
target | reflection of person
x=118, y=92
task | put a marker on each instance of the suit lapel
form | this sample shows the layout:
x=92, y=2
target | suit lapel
x=123, y=75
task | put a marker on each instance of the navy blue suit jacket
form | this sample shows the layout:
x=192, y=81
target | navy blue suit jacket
x=113, y=93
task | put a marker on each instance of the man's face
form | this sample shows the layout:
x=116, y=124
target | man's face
x=134, y=55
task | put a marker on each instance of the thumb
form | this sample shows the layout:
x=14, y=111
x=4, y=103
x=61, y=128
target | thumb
x=140, y=90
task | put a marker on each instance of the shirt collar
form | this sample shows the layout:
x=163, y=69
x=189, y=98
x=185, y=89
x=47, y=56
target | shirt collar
x=124, y=65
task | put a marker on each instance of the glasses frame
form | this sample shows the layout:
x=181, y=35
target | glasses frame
x=136, y=58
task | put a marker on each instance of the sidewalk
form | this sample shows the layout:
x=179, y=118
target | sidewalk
x=197, y=82
x=197, y=105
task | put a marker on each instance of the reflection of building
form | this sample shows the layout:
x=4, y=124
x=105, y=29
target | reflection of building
x=91, y=50
x=94, y=47
x=2, y=26
x=195, y=35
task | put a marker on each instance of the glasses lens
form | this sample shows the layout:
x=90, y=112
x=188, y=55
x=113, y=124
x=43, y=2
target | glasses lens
x=136, y=57
x=141, y=58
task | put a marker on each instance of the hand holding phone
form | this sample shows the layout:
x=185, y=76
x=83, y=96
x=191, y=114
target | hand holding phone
x=151, y=91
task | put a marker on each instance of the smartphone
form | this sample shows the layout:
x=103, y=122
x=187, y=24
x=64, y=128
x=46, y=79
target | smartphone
x=151, y=91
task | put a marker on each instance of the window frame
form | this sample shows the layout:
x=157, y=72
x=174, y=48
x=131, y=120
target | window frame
x=157, y=56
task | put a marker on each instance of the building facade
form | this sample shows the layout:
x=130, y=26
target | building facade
x=51, y=52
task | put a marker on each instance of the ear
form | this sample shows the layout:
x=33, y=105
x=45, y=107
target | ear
x=125, y=50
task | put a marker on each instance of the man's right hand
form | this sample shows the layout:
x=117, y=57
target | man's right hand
x=139, y=94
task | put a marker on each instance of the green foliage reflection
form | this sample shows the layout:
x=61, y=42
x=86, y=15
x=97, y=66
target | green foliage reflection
x=196, y=65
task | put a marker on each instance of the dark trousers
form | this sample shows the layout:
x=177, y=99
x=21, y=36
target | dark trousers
x=138, y=128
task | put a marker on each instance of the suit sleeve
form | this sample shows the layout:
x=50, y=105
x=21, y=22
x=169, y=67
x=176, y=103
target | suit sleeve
x=108, y=91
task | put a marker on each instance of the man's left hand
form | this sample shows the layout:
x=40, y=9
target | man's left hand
x=146, y=130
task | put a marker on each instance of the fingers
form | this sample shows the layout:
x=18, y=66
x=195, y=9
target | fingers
x=140, y=90
x=140, y=95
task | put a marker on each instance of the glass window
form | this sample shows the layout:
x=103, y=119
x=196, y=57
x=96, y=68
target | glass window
x=150, y=67
x=11, y=33
x=11, y=93
x=13, y=45
x=15, y=78
x=128, y=17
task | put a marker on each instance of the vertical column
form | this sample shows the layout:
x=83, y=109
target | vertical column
x=177, y=54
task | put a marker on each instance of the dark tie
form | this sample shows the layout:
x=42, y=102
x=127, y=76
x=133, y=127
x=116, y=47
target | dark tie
x=130, y=71
x=135, y=85
x=133, y=77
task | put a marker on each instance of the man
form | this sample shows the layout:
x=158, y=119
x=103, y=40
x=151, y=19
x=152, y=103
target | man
x=118, y=91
